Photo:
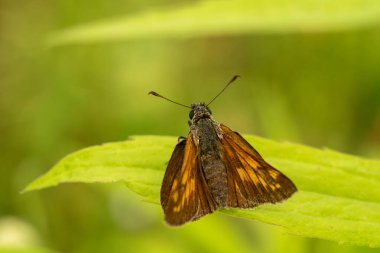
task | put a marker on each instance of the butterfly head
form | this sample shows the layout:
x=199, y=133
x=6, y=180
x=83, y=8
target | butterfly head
x=199, y=111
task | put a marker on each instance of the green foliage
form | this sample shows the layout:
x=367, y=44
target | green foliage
x=25, y=250
x=314, y=79
x=337, y=199
x=228, y=17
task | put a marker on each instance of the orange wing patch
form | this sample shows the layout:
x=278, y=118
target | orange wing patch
x=251, y=180
x=184, y=194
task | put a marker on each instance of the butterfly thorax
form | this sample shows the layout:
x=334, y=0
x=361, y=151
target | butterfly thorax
x=207, y=133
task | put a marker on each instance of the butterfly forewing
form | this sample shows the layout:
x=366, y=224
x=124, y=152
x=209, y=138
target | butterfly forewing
x=251, y=180
x=184, y=193
x=174, y=167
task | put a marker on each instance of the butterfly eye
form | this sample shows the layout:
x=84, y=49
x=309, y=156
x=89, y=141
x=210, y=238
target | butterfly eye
x=209, y=111
x=191, y=114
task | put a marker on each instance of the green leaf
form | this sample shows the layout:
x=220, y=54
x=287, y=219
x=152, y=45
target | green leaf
x=228, y=18
x=338, y=198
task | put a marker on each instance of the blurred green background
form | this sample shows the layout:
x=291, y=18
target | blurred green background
x=319, y=89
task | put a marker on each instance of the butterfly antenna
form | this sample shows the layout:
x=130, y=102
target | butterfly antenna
x=160, y=96
x=225, y=87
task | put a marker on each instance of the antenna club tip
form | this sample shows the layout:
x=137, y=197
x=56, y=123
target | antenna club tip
x=153, y=93
x=235, y=77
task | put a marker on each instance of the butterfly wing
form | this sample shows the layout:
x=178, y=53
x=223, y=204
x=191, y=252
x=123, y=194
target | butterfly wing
x=172, y=170
x=251, y=180
x=184, y=193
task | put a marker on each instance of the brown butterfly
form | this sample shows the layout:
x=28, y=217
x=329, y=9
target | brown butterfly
x=215, y=167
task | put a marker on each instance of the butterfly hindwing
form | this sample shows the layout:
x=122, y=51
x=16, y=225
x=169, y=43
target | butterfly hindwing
x=251, y=180
x=184, y=193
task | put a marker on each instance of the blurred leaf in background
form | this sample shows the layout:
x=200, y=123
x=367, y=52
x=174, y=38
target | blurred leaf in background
x=316, y=83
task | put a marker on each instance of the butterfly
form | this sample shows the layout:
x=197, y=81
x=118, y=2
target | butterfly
x=215, y=167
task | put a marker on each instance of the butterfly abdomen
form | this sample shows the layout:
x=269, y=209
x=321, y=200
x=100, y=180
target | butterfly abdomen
x=211, y=163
